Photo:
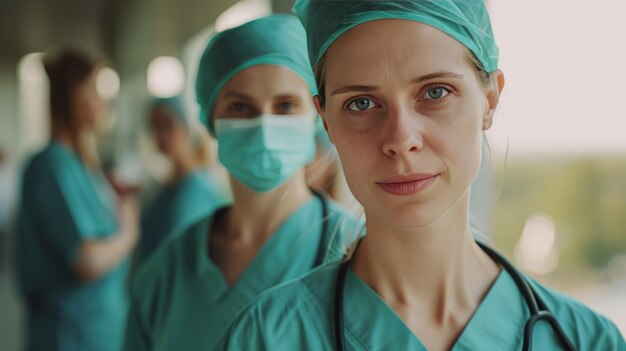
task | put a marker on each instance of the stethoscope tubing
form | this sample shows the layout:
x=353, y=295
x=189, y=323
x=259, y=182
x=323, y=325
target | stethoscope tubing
x=537, y=308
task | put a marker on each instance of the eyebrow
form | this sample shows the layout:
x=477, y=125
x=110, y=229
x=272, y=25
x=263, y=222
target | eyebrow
x=442, y=74
x=239, y=95
x=353, y=88
x=286, y=96
x=243, y=96
x=365, y=88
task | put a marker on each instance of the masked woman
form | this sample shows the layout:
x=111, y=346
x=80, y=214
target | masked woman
x=255, y=88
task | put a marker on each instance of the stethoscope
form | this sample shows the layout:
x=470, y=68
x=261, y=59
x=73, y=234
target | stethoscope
x=537, y=307
x=321, y=250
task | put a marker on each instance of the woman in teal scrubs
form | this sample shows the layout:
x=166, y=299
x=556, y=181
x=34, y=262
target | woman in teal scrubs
x=73, y=234
x=322, y=173
x=406, y=90
x=191, y=192
x=255, y=88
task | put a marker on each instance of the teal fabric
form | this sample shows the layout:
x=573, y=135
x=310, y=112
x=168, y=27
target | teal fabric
x=174, y=105
x=321, y=136
x=299, y=316
x=264, y=152
x=176, y=207
x=181, y=300
x=275, y=40
x=465, y=20
x=62, y=205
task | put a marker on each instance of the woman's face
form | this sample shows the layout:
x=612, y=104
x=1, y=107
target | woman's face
x=406, y=112
x=88, y=104
x=171, y=137
x=263, y=89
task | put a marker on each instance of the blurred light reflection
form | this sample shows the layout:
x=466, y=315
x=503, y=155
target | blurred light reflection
x=536, y=251
x=166, y=76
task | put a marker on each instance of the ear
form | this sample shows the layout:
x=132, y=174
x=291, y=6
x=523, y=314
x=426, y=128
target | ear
x=322, y=113
x=493, y=97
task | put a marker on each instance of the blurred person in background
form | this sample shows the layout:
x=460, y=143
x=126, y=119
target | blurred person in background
x=190, y=192
x=255, y=87
x=73, y=234
x=6, y=197
x=322, y=173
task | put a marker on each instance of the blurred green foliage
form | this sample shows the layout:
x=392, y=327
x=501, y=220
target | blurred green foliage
x=585, y=196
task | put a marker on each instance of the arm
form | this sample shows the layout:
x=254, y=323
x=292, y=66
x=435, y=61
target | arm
x=97, y=257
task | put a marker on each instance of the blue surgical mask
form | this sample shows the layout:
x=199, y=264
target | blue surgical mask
x=265, y=151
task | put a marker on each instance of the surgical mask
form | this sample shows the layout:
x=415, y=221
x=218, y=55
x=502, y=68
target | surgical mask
x=265, y=151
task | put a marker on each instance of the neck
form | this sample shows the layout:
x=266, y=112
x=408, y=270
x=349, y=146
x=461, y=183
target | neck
x=436, y=269
x=65, y=137
x=183, y=165
x=83, y=143
x=255, y=216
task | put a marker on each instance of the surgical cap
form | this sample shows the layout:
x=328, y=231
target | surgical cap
x=465, y=20
x=174, y=105
x=276, y=40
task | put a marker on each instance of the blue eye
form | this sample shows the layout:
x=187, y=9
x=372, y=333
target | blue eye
x=238, y=107
x=361, y=104
x=436, y=93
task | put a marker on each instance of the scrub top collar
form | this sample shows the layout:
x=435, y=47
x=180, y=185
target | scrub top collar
x=364, y=326
x=270, y=263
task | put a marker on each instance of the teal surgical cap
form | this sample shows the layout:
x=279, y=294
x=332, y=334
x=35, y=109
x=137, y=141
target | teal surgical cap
x=276, y=40
x=465, y=20
x=174, y=105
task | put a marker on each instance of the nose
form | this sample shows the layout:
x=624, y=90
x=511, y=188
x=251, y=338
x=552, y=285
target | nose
x=266, y=107
x=403, y=133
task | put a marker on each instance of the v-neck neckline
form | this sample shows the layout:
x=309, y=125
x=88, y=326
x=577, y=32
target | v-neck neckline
x=366, y=327
x=250, y=275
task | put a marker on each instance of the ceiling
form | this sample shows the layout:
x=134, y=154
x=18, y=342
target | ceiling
x=103, y=27
x=38, y=25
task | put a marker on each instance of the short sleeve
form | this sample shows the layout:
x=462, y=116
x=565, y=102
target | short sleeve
x=63, y=210
x=52, y=224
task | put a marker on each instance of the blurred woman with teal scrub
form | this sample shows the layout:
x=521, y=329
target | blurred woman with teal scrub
x=73, y=234
x=322, y=173
x=191, y=192
x=255, y=88
x=406, y=91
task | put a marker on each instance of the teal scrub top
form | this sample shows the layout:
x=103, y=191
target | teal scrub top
x=181, y=300
x=299, y=316
x=176, y=207
x=62, y=205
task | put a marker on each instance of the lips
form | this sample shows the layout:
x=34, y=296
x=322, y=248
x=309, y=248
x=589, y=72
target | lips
x=407, y=184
